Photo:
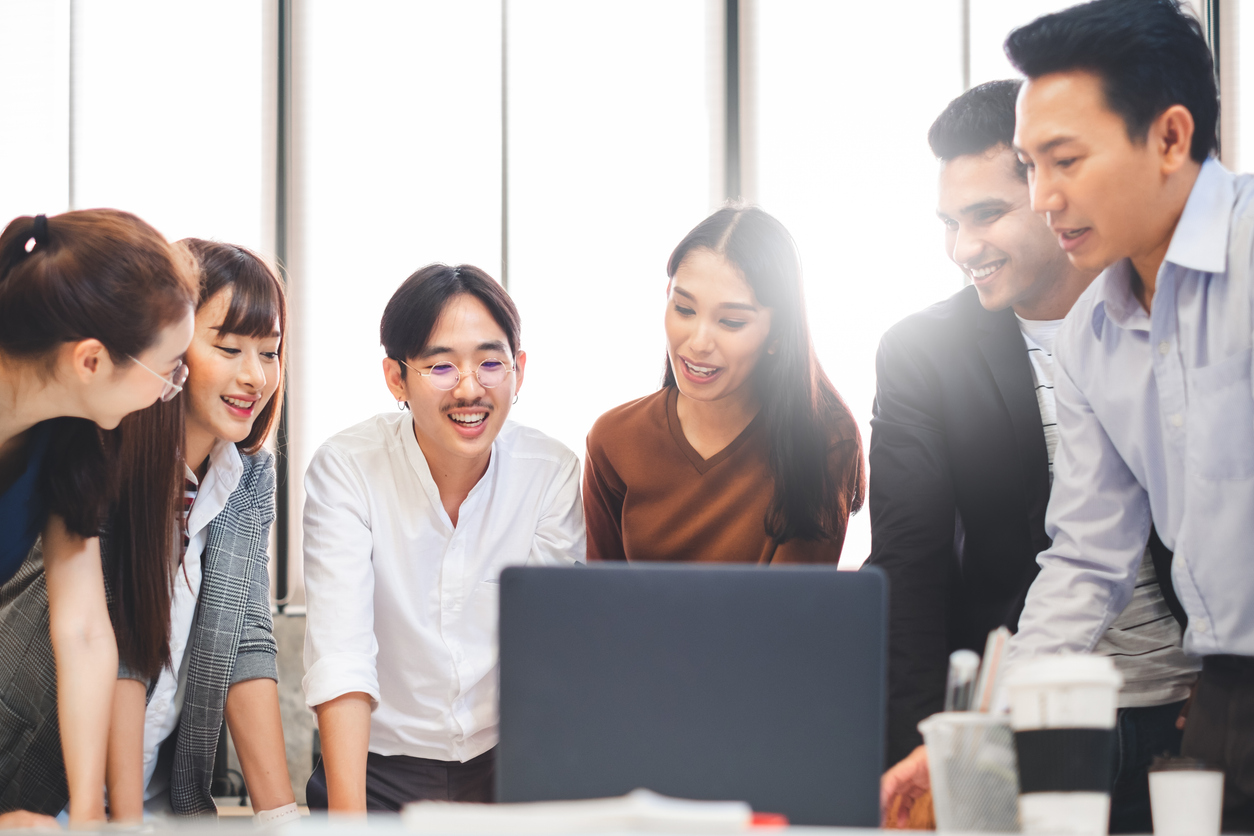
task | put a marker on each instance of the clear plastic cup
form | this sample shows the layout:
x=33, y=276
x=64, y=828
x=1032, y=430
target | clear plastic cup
x=1062, y=709
x=971, y=760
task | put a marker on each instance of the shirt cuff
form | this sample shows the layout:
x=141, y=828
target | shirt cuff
x=126, y=673
x=286, y=814
x=254, y=665
x=339, y=674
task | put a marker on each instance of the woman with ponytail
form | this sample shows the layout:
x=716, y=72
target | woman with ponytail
x=747, y=454
x=95, y=315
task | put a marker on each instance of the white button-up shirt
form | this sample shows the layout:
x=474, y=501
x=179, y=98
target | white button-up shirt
x=161, y=718
x=1156, y=423
x=402, y=605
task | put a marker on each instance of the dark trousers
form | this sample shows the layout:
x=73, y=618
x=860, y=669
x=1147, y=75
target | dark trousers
x=1141, y=734
x=394, y=780
x=1220, y=732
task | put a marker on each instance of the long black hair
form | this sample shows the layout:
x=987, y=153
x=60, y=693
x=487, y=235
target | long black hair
x=800, y=404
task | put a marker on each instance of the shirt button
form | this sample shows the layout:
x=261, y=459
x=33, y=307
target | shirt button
x=1199, y=626
x=1177, y=420
x=1163, y=347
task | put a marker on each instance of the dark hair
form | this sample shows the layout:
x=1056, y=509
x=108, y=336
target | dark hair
x=95, y=273
x=145, y=531
x=258, y=300
x=979, y=119
x=1149, y=54
x=415, y=307
x=798, y=400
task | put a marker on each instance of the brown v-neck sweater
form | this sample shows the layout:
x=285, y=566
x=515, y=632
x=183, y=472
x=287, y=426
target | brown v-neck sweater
x=648, y=495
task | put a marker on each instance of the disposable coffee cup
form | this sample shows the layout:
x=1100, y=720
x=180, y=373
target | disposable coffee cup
x=1062, y=710
x=1186, y=797
x=971, y=760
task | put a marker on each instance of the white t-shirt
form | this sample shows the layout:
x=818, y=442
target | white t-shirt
x=1144, y=641
x=402, y=605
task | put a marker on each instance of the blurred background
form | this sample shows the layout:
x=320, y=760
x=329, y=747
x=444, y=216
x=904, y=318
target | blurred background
x=565, y=146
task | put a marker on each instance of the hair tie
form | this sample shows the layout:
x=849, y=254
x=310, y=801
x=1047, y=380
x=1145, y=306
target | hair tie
x=38, y=233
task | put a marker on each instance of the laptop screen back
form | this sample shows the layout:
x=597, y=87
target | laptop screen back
x=762, y=684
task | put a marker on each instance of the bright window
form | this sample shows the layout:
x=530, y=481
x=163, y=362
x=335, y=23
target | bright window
x=397, y=164
x=609, y=161
x=168, y=118
x=35, y=90
x=844, y=164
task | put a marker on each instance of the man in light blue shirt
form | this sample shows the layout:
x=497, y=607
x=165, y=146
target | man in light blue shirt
x=1117, y=124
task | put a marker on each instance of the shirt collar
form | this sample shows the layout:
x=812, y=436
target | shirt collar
x=226, y=469
x=1199, y=243
x=418, y=461
x=1116, y=301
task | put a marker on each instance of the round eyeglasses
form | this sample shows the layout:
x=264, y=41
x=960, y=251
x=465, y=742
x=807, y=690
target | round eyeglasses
x=173, y=383
x=446, y=376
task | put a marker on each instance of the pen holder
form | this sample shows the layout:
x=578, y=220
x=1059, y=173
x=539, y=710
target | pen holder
x=971, y=760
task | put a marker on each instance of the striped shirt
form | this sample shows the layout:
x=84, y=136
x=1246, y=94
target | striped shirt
x=1144, y=641
x=1039, y=337
x=190, y=486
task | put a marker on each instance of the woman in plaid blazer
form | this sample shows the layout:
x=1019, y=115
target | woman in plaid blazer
x=164, y=733
x=220, y=656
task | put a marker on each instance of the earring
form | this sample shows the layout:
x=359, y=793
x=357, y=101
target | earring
x=515, y=400
x=401, y=405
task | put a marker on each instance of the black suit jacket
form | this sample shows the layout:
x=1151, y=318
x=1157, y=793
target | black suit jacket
x=959, y=481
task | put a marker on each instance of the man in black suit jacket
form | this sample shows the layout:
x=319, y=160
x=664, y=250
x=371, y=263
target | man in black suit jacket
x=960, y=459
x=959, y=474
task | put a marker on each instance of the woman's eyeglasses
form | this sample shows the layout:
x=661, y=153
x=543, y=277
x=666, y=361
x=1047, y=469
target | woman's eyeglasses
x=446, y=376
x=173, y=383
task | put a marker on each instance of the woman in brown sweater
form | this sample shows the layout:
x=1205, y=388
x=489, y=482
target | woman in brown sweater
x=747, y=454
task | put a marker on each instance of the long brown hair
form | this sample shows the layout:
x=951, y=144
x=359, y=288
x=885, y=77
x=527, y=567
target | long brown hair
x=798, y=400
x=145, y=531
x=94, y=273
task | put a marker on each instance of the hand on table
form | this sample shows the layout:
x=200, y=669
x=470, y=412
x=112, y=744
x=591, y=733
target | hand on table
x=26, y=820
x=902, y=786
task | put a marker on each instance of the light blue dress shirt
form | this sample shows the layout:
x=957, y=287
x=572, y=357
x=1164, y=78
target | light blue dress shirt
x=1156, y=423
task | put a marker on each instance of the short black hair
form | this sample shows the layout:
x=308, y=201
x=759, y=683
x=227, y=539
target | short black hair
x=979, y=119
x=415, y=307
x=1149, y=54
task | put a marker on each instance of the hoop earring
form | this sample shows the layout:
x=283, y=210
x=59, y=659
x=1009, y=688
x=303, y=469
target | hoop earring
x=402, y=405
x=515, y=400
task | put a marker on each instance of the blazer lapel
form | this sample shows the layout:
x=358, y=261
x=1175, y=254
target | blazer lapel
x=216, y=632
x=1002, y=344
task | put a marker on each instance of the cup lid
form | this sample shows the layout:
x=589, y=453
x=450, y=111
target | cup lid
x=1064, y=669
x=1168, y=764
x=962, y=718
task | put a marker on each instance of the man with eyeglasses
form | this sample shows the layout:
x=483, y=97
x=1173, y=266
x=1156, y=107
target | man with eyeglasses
x=409, y=519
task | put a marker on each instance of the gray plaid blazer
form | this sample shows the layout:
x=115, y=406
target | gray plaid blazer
x=232, y=641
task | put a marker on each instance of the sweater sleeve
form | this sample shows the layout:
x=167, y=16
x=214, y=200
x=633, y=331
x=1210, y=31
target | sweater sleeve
x=844, y=459
x=603, y=494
